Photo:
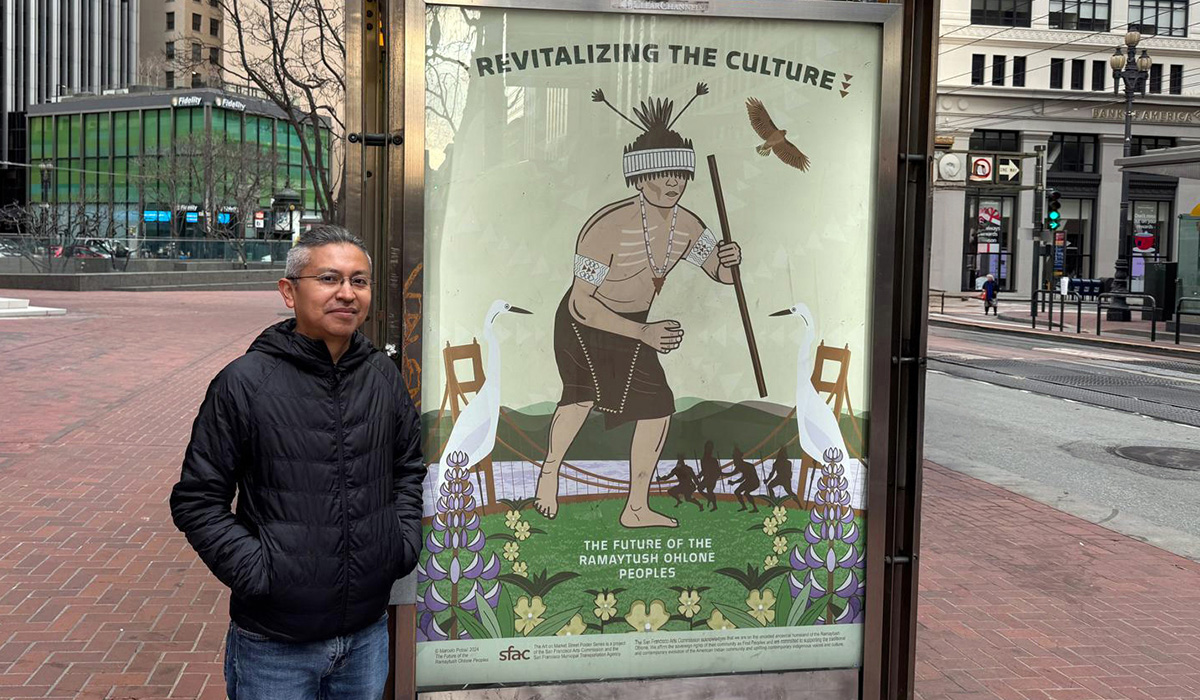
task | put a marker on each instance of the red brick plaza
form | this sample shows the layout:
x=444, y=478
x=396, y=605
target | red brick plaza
x=100, y=597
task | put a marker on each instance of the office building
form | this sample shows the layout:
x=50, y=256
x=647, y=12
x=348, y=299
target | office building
x=1018, y=75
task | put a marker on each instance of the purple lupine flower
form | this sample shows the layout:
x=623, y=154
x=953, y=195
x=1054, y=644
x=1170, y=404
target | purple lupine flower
x=816, y=563
x=455, y=571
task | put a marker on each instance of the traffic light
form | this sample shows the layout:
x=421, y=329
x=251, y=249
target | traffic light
x=1053, y=217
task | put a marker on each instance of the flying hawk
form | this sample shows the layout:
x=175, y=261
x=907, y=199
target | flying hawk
x=774, y=138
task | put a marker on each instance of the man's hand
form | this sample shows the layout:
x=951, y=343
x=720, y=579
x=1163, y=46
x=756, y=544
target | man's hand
x=663, y=336
x=729, y=254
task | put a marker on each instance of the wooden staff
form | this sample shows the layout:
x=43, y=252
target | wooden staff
x=737, y=279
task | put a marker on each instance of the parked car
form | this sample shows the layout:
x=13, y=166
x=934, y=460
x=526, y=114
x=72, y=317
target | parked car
x=79, y=251
x=9, y=248
x=114, y=248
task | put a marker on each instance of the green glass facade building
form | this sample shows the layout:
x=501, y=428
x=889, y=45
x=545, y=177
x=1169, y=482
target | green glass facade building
x=104, y=155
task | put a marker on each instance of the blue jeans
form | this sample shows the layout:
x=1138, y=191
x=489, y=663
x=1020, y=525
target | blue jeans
x=353, y=667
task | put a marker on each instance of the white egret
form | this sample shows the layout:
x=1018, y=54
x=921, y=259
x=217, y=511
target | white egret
x=474, y=433
x=819, y=430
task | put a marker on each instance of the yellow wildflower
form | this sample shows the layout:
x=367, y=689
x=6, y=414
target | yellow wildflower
x=760, y=604
x=780, y=545
x=573, y=628
x=521, y=531
x=770, y=526
x=529, y=613
x=780, y=514
x=642, y=620
x=520, y=568
x=717, y=621
x=512, y=518
x=689, y=603
x=770, y=561
x=606, y=606
x=512, y=550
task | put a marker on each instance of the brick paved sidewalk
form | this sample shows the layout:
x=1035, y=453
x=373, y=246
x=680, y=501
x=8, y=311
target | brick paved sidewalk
x=100, y=597
x=1022, y=602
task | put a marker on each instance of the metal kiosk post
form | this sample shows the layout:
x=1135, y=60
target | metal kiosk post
x=489, y=94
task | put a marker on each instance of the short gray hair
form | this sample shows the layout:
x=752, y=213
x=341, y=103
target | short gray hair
x=326, y=234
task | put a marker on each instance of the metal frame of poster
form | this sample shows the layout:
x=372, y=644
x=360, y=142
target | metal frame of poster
x=406, y=301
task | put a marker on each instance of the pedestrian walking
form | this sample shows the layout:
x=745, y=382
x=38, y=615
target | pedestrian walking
x=315, y=433
x=989, y=296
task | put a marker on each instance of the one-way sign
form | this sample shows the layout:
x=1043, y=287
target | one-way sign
x=1008, y=170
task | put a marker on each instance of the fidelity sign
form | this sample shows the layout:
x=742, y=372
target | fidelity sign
x=187, y=101
x=226, y=103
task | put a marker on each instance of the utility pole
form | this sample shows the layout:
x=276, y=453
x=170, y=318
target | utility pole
x=1039, y=192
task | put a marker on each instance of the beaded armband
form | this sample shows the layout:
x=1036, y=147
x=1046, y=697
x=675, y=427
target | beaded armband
x=702, y=248
x=591, y=271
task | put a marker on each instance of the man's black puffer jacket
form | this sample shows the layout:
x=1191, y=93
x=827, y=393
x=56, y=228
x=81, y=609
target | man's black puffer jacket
x=327, y=464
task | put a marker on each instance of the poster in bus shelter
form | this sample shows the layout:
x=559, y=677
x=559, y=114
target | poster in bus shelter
x=610, y=492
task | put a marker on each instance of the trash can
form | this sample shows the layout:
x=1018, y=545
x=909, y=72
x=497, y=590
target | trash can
x=1160, y=283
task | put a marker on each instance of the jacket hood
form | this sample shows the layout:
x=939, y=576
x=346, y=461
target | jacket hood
x=282, y=340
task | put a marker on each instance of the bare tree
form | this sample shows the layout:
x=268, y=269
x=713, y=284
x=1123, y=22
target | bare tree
x=165, y=182
x=218, y=176
x=229, y=177
x=47, y=235
x=294, y=52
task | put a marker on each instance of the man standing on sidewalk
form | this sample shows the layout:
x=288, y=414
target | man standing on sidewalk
x=315, y=432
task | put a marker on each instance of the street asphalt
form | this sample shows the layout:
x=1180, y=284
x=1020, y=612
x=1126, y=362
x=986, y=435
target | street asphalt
x=1042, y=420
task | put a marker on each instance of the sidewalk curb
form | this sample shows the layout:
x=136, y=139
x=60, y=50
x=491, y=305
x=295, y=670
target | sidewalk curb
x=1167, y=350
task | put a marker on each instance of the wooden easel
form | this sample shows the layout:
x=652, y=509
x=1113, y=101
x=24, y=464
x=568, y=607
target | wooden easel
x=837, y=395
x=456, y=391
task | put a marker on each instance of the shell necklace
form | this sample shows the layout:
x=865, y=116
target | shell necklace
x=658, y=273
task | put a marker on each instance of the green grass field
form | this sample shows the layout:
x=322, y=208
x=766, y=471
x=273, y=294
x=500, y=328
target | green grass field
x=737, y=539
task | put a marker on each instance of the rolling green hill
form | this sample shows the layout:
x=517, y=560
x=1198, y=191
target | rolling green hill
x=728, y=425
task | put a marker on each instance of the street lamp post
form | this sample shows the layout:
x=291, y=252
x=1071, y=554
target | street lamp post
x=1130, y=72
x=45, y=167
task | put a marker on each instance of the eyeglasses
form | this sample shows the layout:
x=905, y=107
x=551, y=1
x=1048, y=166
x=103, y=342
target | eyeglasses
x=333, y=280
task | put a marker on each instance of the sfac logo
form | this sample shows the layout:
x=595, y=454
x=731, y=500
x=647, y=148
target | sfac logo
x=514, y=654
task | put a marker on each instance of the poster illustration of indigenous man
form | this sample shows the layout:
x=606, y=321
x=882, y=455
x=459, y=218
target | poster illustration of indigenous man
x=615, y=463
x=605, y=345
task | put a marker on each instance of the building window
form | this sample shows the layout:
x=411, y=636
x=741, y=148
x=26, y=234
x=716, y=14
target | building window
x=1079, y=236
x=170, y=50
x=1072, y=153
x=1161, y=17
x=1078, y=67
x=196, y=49
x=988, y=238
x=197, y=80
x=214, y=55
x=214, y=27
x=1003, y=13
x=1176, y=87
x=1139, y=145
x=1056, y=73
x=1151, y=232
x=1099, y=70
x=995, y=141
x=1156, y=78
x=1018, y=71
x=170, y=21
x=197, y=22
x=1086, y=15
x=977, y=61
x=999, y=64
x=170, y=79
